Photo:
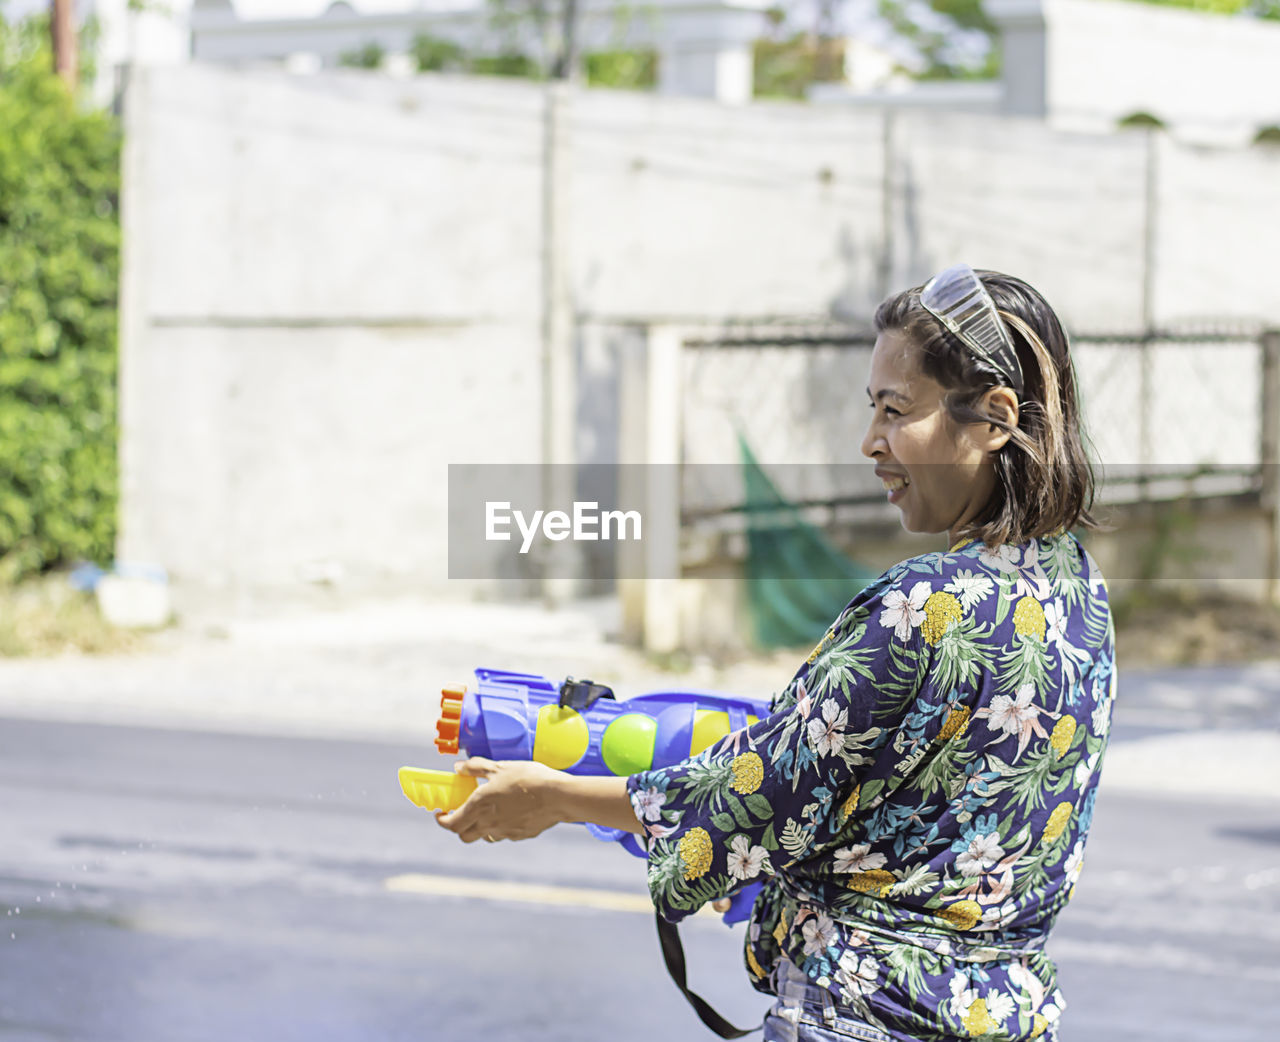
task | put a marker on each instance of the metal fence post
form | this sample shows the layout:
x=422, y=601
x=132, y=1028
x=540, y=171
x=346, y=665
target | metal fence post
x=1270, y=455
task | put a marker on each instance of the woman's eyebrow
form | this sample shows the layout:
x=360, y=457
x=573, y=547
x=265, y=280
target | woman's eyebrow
x=887, y=392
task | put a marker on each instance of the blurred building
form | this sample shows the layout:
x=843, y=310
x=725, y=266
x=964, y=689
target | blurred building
x=1082, y=65
x=703, y=49
x=1089, y=64
x=1093, y=65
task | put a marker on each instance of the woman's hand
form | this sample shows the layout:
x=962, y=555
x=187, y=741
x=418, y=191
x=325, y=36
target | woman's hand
x=518, y=800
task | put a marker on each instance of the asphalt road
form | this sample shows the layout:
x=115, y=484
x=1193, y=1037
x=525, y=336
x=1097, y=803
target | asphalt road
x=176, y=886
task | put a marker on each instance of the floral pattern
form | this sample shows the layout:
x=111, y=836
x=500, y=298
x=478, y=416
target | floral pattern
x=918, y=799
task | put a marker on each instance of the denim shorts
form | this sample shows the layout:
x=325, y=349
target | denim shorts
x=805, y=1012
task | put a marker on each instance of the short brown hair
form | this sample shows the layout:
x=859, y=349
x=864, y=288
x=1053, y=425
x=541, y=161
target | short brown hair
x=1044, y=477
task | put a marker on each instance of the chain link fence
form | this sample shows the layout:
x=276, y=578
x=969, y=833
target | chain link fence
x=1168, y=414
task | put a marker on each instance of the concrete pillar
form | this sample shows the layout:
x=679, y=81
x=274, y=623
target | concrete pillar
x=706, y=47
x=649, y=446
x=722, y=70
x=559, y=379
x=1024, y=39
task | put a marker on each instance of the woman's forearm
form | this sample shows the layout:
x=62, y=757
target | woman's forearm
x=599, y=800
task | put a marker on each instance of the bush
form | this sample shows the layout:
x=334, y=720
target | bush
x=786, y=68
x=59, y=271
x=435, y=54
x=370, y=56
x=45, y=616
x=509, y=63
x=629, y=70
x=1268, y=135
x=1140, y=119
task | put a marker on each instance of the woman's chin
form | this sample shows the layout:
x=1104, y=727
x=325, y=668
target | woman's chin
x=916, y=527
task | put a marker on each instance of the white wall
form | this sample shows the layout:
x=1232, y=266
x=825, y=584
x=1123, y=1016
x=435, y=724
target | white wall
x=333, y=284
x=322, y=307
x=681, y=208
x=1215, y=233
x=1063, y=211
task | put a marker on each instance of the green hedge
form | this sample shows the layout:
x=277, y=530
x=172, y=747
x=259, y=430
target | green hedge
x=59, y=274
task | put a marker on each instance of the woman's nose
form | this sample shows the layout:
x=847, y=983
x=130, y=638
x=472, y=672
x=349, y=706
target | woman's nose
x=872, y=443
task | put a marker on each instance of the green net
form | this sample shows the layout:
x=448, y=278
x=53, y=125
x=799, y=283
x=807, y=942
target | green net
x=797, y=581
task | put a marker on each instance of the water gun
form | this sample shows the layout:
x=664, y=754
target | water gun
x=580, y=727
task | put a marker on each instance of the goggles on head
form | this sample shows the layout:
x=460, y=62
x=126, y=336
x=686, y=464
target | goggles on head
x=957, y=298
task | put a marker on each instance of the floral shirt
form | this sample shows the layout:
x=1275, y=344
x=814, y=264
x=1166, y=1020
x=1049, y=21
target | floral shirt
x=918, y=799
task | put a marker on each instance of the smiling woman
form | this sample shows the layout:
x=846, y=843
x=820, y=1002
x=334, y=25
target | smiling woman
x=917, y=801
x=989, y=435
x=932, y=469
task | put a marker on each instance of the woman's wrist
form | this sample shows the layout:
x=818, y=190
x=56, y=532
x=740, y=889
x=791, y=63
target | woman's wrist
x=560, y=796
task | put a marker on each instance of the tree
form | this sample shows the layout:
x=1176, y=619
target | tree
x=435, y=54
x=828, y=57
x=59, y=278
x=555, y=28
x=793, y=54
x=953, y=39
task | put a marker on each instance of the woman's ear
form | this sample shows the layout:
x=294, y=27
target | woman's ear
x=1000, y=403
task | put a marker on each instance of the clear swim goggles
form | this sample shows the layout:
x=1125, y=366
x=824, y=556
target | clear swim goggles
x=957, y=298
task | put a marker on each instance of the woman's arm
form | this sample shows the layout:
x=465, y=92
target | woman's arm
x=520, y=799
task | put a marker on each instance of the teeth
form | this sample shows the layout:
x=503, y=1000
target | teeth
x=893, y=484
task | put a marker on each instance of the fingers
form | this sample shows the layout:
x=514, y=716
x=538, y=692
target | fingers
x=472, y=821
x=462, y=820
x=722, y=904
x=466, y=828
x=476, y=767
x=458, y=820
x=503, y=807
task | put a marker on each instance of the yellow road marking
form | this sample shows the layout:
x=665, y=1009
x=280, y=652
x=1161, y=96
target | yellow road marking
x=524, y=893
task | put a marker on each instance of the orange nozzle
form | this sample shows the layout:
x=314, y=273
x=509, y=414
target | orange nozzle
x=450, y=719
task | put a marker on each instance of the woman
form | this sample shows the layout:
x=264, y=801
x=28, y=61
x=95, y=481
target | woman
x=918, y=800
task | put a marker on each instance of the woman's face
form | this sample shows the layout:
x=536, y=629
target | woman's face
x=938, y=475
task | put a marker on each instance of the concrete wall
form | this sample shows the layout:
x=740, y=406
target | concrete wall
x=321, y=309
x=1063, y=211
x=1216, y=211
x=335, y=285
x=685, y=209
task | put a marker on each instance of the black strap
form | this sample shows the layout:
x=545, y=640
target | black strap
x=673, y=956
x=582, y=694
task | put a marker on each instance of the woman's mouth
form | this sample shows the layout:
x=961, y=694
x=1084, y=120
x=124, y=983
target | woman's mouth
x=896, y=486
